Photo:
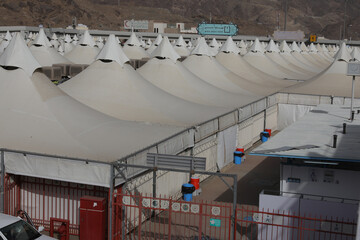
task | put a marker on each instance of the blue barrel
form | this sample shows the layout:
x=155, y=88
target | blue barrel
x=237, y=157
x=264, y=136
x=187, y=190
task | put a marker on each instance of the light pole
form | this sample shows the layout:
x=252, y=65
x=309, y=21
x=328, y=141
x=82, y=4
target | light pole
x=346, y=1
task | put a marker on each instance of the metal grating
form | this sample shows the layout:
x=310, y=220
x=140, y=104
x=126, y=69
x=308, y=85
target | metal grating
x=176, y=162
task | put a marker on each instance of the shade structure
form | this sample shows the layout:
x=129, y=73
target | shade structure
x=84, y=52
x=113, y=87
x=44, y=53
x=211, y=71
x=176, y=79
x=236, y=64
x=181, y=48
x=122, y=93
x=155, y=44
x=333, y=81
x=133, y=49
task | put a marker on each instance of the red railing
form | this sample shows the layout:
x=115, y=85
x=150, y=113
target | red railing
x=144, y=217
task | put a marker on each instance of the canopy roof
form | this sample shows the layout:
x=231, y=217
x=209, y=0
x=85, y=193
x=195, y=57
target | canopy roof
x=272, y=47
x=257, y=47
x=229, y=46
x=41, y=39
x=165, y=50
x=112, y=51
x=17, y=55
x=343, y=53
x=87, y=40
x=180, y=42
x=133, y=40
x=202, y=48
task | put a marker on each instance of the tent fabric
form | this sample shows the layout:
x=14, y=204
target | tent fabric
x=355, y=54
x=257, y=47
x=155, y=44
x=271, y=47
x=177, y=80
x=82, y=54
x=18, y=55
x=180, y=42
x=87, y=40
x=183, y=51
x=112, y=51
x=202, y=48
x=47, y=56
x=135, y=52
x=122, y=93
x=240, y=67
x=41, y=39
x=229, y=46
x=133, y=40
x=343, y=54
x=165, y=50
x=212, y=72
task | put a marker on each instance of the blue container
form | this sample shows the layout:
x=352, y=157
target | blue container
x=237, y=157
x=187, y=190
x=264, y=136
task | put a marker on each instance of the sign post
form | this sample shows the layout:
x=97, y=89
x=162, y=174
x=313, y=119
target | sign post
x=353, y=70
x=217, y=29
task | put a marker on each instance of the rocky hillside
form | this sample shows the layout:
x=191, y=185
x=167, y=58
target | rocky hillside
x=255, y=17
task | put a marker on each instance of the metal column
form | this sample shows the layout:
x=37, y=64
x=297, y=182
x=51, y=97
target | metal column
x=233, y=218
x=2, y=185
x=352, y=97
x=111, y=193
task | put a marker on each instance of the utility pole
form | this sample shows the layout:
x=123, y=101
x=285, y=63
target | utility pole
x=346, y=1
x=286, y=15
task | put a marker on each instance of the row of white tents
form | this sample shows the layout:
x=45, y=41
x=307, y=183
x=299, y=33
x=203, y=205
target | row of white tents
x=110, y=110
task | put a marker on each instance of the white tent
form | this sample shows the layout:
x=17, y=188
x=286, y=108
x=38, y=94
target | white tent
x=133, y=49
x=355, y=54
x=5, y=42
x=181, y=48
x=229, y=46
x=262, y=62
x=332, y=82
x=236, y=64
x=38, y=117
x=155, y=44
x=44, y=53
x=202, y=48
x=174, y=78
x=66, y=44
x=54, y=41
x=84, y=52
x=116, y=89
x=211, y=71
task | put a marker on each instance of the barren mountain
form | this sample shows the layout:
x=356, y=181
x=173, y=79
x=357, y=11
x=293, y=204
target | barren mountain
x=255, y=17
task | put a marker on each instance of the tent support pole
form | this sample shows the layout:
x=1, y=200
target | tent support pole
x=111, y=196
x=352, y=99
x=2, y=185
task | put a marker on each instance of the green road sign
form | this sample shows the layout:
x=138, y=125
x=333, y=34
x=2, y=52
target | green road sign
x=217, y=29
x=215, y=222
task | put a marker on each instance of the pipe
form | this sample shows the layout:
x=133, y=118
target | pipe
x=344, y=128
x=335, y=140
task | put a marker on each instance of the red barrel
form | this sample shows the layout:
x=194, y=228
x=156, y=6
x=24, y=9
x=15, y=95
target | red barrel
x=269, y=131
x=196, y=182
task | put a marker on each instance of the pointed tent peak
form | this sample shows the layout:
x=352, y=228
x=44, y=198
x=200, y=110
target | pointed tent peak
x=54, y=37
x=158, y=40
x=303, y=47
x=242, y=44
x=41, y=39
x=67, y=38
x=295, y=47
x=149, y=42
x=214, y=44
x=230, y=46
x=142, y=43
x=355, y=54
x=165, y=50
x=343, y=54
x=190, y=45
x=133, y=41
x=17, y=54
x=60, y=49
x=100, y=40
x=257, y=47
x=318, y=47
x=324, y=48
x=87, y=40
x=272, y=47
x=284, y=47
x=75, y=38
x=180, y=42
x=312, y=48
x=30, y=35
x=112, y=51
x=8, y=36
x=202, y=48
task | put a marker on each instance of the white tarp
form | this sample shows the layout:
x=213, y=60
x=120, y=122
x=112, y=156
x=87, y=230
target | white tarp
x=288, y=114
x=227, y=142
x=89, y=173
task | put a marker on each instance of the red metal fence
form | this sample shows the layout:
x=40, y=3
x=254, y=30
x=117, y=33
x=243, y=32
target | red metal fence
x=144, y=217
